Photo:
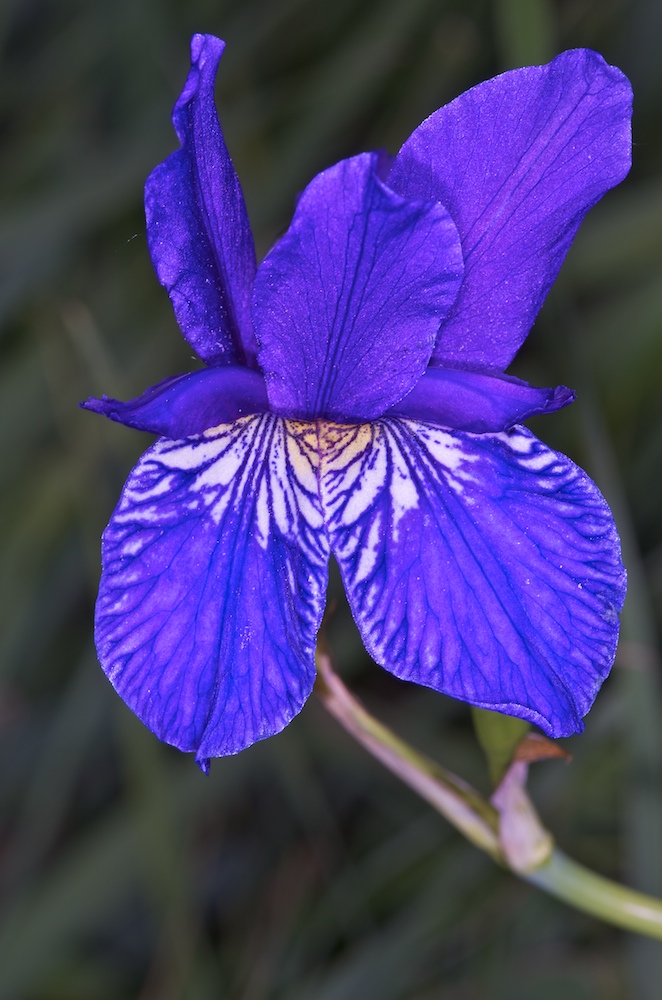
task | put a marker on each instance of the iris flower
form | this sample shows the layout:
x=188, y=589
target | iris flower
x=354, y=404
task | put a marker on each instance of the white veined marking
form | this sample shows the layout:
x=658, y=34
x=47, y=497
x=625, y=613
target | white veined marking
x=365, y=481
x=307, y=473
x=538, y=461
x=226, y=466
x=201, y=450
x=132, y=547
x=360, y=464
x=159, y=488
x=262, y=512
x=403, y=492
x=370, y=552
x=447, y=450
x=261, y=460
x=520, y=443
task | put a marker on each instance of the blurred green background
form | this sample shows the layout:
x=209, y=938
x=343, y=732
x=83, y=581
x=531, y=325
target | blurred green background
x=298, y=870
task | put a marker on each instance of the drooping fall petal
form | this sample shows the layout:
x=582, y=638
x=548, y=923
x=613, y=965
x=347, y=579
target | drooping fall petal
x=485, y=566
x=213, y=587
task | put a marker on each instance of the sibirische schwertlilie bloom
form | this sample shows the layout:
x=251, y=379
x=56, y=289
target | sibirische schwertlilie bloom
x=354, y=404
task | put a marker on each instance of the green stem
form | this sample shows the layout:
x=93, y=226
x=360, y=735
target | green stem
x=480, y=822
x=580, y=887
x=451, y=796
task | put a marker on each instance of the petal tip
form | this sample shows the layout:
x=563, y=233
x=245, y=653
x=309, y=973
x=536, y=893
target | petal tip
x=518, y=161
x=96, y=405
x=203, y=763
x=598, y=63
x=562, y=396
x=205, y=46
x=206, y=267
x=206, y=52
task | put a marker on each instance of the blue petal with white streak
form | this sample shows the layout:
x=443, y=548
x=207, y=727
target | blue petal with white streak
x=213, y=586
x=485, y=566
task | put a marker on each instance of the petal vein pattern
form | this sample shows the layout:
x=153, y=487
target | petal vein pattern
x=517, y=161
x=348, y=303
x=485, y=566
x=214, y=583
x=198, y=233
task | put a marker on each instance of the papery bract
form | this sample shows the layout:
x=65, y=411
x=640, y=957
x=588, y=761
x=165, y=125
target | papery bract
x=373, y=422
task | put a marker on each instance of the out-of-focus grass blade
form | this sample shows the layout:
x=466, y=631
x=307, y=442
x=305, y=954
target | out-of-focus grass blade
x=92, y=880
x=33, y=528
x=337, y=93
x=24, y=419
x=392, y=961
x=81, y=893
x=619, y=241
x=640, y=681
x=51, y=781
x=38, y=241
x=624, y=339
x=644, y=27
x=345, y=908
x=449, y=49
x=526, y=31
x=164, y=863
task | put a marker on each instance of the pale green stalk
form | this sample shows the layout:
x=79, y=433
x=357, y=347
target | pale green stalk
x=450, y=795
x=585, y=890
x=511, y=833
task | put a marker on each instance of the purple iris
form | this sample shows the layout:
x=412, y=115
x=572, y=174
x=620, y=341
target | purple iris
x=354, y=403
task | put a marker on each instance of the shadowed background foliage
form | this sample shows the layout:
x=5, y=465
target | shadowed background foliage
x=298, y=870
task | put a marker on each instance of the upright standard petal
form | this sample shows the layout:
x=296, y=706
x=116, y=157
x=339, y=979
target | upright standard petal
x=213, y=586
x=347, y=304
x=197, y=228
x=485, y=566
x=517, y=161
x=474, y=401
x=189, y=404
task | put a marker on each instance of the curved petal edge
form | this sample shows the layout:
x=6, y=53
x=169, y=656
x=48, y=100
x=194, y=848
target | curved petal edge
x=485, y=566
x=213, y=587
x=198, y=232
x=473, y=401
x=348, y=302
x=189, y=404
x=517, y=161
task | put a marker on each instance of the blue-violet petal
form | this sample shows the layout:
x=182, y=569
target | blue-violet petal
x=517, y=161
x=347, y=304
x=213, y=587
x=189, y=404
x=485, y=566
x=472, y=401
x=197, y=228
